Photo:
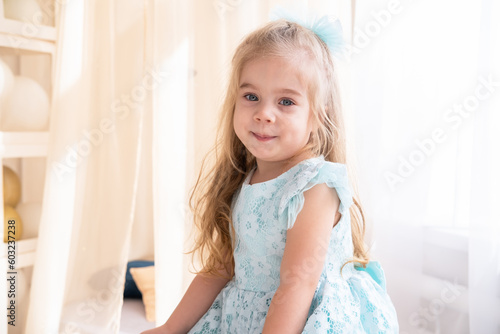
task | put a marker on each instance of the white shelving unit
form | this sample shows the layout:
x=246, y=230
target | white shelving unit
x=25, y=42
x=23, y=144
x=25, y=250
x=13, y=36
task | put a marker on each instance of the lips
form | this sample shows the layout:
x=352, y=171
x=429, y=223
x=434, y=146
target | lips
x=263, y=137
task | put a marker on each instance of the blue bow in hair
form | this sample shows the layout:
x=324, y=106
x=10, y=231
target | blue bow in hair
x=325, y=27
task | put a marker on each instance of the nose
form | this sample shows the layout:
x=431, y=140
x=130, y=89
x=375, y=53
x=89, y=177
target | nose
x=265, y=115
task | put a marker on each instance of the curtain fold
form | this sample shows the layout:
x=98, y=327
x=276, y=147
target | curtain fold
x=169, y=50
x=93, y=166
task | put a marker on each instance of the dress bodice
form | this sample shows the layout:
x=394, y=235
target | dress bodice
x=263, y=212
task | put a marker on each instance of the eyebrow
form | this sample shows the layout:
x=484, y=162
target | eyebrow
x=284, y=90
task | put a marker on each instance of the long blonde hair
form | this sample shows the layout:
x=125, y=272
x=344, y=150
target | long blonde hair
x=212, y=196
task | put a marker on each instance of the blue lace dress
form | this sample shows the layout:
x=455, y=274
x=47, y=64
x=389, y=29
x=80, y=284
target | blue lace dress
x=354, y=302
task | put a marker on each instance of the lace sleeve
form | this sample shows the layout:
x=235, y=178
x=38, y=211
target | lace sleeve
x=333, y=174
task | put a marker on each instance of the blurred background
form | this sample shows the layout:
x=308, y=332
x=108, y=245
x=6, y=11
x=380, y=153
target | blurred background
x=108, y=107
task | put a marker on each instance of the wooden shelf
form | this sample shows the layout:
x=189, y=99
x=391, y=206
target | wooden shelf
x=23, y=144
x=17, y=35
x=25, y=252
x=18, y=42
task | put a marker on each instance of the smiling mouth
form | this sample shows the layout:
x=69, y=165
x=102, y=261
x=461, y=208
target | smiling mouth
x=263, y=137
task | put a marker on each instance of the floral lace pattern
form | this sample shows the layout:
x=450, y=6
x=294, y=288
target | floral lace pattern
x=347, y=302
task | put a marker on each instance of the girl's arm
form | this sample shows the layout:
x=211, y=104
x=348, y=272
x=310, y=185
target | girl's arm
x=196, y=301
x=303, y=260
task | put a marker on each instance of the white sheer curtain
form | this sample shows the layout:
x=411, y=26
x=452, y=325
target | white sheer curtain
x=425, y=93
x=484, y=243
x=102, y=81
x=169, y=47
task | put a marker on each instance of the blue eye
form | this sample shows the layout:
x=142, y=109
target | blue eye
x=286, y=102
x=251, y=97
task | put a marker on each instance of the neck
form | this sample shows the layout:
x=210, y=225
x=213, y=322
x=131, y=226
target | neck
x=267, y=170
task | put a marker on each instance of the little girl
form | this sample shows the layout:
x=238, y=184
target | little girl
x=281, y=236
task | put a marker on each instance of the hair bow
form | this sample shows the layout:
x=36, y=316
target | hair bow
x=325, y=27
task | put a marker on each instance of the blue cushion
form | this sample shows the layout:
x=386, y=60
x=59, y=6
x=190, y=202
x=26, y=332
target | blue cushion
x=131, y=290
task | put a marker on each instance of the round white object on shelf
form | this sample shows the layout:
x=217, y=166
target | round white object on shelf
x=6, y=80
x=26, y=108
x=30, y=214
x=22, y=10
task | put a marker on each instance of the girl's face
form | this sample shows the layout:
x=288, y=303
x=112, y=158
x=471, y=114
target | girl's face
x=272, y=113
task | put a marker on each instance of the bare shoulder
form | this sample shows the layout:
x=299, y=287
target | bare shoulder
x=323, y=199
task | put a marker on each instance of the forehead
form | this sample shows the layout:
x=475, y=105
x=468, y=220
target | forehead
x=275, y=71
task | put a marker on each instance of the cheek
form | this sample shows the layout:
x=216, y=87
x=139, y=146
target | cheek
x=237, y=123
x=305, y=133
x=311, y=124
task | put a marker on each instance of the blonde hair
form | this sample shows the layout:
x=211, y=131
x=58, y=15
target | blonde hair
x=212, y=196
